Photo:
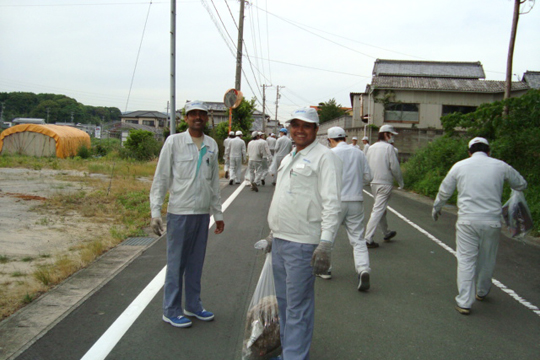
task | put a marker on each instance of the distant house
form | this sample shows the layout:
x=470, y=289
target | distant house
x=532, y=78
x=154, y=119
x=120, y=130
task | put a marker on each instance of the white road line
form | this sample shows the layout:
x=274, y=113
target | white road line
x=496, y=282
x=116, y=331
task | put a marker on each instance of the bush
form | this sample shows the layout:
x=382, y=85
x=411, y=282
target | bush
x=84, y=152
x=141, y=145
x=102, y=147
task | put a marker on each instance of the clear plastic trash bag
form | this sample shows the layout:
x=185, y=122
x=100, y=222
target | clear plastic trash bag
x=261, y=339
x=517, y=216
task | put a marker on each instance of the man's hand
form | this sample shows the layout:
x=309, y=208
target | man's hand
x=320, y=260
x=157, y=226
x=220, y=226
x=269, y=241
x=435, y=214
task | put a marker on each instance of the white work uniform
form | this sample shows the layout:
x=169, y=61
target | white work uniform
x=267, y=158
x=479, y=181
x=355, y=174
x=304, y=211
x=225, y=159
x=236, y=152
x=384, y=166
x=257, y=150
x=283, y=148
x=271, y=144
x=366, y=148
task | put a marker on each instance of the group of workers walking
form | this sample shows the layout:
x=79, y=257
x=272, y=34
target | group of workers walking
x=317, y=189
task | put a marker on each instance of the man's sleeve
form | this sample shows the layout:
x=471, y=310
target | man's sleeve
x=446, y=189
x=368, y=176
x=394, y=166
x=330, y=192
x=162, y=178
x=215, y=202
x=514, y=178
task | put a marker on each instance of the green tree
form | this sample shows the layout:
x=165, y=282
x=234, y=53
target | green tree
x=141, y=145
x=330, y=110
x=242, y=117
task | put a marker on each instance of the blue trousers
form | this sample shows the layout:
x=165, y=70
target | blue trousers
x=295, y=291
x=187, y=236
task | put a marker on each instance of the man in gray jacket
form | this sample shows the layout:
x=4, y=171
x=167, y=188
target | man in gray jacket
x=479, y=181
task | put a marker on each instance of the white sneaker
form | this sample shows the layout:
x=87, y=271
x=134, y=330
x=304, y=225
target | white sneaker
x=326, y=276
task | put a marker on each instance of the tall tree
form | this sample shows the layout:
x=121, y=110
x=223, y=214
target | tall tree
x=330, y=110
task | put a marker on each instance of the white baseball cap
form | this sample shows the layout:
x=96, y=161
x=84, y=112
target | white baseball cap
x=306, y=114
x=365, y=138
x=238, y=133
x=196, y=105
x=478, y=140
x=254, y=134
x=388, y=128
x=231, y=133
x=354, y=138
x=272, y=134
x=336, y=132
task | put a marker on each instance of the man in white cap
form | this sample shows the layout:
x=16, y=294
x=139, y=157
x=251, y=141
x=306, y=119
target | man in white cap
x=479, y=181
x=303, y=217
x=188, y=169
x=257, y=149
x=355, y=142
x=236, y=153
x=355, y=175
x=271, y=140
x=267, y=157
x=225, y=159
x=283, y=148
x=384, y=166
x=365, y=141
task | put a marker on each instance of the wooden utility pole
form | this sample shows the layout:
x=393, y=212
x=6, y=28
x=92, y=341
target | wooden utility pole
x=264, y=106
x=173, y=68
x=515, y=19
x=277, y=104
x=238, y=79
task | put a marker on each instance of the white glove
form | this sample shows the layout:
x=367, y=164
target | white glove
x=321, y=259
x=435, y=214
x=157, y=226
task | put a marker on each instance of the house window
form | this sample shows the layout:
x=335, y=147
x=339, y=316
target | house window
x=132, y=121
x=401, y=112
x=450, y=109
x=148, y=122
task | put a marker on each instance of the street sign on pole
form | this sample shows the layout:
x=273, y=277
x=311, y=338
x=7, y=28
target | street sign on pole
x=232, y=99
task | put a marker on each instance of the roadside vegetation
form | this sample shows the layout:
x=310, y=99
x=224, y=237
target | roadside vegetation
x=513, y=139
x=119, y=199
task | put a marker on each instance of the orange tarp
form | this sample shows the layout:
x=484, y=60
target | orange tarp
x=68, y=139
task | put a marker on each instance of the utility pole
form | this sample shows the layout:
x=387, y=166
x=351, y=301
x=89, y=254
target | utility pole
x=264, y=106
x=47, y=115
x=277, y=104
x=238, y=79
x=173, y=68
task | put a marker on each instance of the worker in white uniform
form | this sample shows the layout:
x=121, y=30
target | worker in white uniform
x=384, y=165
x=303, y=217
x=188, y=169
x=266, y=159
x=271, y=140
x=365, y=141
x=236, y=153
x=283, y=148
x=225, y=159
x=256, y=152
x=479, y=181
x=355, y=142
x=355, y=175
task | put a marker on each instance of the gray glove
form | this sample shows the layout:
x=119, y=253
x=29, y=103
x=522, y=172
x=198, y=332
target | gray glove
x=269, y=240
x=320, y=261
x=157, y=226
x=435, y=214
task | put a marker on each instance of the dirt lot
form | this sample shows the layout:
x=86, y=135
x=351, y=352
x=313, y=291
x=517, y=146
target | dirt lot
x=29, y=236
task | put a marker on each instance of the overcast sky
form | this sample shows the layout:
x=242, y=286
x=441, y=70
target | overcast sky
x=317, y=50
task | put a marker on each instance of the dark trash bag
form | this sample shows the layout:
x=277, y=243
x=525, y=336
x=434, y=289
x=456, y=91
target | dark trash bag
x=261, y=339
x=517, y=216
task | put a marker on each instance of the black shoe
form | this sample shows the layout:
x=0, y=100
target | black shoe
x=372, y=245
x=254, y=187
x=274, y=183
x=390, y=235
x=226, y=174
x=463, y=311
x=231, y=182
x=262, y=182
x=363, y=281
x=480, y=298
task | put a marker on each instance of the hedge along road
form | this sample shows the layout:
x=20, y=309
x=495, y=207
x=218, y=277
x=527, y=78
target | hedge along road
x=407, y=314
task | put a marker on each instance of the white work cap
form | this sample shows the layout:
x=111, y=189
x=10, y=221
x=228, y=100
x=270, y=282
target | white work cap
x=365, y=138
x=254, y=134
x=272, y=134
x=238, y=133
x=306, y=114
x=231, y=133
x=196, y=105
x=388, y=128
x=336, y=132
x=478, y=140
x=261, y=133
x=354, y=138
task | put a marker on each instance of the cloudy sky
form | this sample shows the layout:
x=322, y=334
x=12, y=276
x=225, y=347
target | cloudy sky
x=116, y=52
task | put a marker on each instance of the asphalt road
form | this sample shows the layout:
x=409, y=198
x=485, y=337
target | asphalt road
x=407, y=314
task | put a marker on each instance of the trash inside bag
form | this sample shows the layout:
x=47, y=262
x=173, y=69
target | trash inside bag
x=261, y=339
x=516, y=215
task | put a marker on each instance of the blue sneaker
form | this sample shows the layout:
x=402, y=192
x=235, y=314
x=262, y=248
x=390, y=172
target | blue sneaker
x=201, y=315
x=276, y=358
x=179, y=321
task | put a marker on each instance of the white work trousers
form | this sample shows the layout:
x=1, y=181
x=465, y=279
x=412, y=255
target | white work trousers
x=255, y=171
x=235, y=169
x=477, y=243
x=352, y=216
x=381, y=197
